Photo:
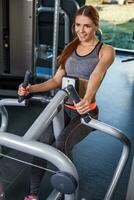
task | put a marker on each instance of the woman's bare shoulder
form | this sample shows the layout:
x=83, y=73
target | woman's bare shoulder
x=107, y=48
x=107, y=51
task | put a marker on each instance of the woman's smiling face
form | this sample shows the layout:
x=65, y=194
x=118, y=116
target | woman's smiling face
x=84, y=28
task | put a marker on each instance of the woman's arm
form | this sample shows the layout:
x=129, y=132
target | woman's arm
x=51, y=84
x=107, y=55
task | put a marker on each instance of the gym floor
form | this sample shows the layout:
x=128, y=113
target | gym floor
x=97, y=155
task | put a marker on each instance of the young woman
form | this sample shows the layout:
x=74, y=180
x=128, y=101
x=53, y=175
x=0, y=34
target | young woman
x=88, y=59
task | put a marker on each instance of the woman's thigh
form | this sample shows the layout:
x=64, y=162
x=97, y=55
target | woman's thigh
x=74, y=132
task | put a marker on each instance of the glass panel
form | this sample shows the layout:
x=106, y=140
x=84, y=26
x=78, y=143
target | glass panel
x=117, y=22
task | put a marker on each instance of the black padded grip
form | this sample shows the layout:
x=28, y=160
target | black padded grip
x=26, y=79
x=25, y=84
x=74, y=95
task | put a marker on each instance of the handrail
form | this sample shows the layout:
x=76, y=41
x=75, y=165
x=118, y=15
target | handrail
x=107, y=129
x=3, y=111
x=130, y=188
x=4, y=118
x=116, y=133
x=44, y=151
x=11, y=102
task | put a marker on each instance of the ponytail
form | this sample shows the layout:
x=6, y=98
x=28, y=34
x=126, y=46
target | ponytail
x=67, y=52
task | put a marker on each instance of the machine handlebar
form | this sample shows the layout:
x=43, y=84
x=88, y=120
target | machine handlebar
x=74, y=95
x=25, y=84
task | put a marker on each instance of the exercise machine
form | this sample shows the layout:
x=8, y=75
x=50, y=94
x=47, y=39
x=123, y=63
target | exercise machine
x=65, y=180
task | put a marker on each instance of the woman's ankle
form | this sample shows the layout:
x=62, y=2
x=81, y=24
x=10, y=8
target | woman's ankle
x=34, y=197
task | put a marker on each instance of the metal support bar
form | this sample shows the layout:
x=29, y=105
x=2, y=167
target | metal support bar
x=45, y=118
x=4, y=114
x=11, y=102
x=59, y=122
x=124, y=156
x=130, y=189
x=55, y=195
x=76, y=4
x=4, y=118
x=3, y=111
x=44, y=151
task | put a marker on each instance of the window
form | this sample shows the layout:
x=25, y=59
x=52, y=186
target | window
x=117, y=22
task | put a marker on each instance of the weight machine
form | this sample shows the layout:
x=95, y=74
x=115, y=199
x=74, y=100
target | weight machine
x=23, y=29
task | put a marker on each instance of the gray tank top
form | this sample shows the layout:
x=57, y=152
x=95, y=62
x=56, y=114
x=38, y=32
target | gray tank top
x=82, y=66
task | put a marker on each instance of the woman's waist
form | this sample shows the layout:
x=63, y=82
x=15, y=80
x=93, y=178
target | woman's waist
x=92, y=106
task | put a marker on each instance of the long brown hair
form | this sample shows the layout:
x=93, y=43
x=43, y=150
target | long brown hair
x=87, y=11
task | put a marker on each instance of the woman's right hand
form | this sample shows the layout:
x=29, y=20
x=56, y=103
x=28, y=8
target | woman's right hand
x=24, y=91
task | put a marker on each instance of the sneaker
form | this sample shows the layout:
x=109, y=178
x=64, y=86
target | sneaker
x=31, y=198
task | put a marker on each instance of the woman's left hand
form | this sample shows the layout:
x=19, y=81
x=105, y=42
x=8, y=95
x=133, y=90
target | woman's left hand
x=83, y=106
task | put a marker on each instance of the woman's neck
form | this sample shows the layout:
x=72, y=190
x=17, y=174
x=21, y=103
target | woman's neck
x=86, y=47
x=91, y=42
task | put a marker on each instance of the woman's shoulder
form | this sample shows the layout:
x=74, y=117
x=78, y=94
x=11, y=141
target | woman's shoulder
x=107, y=47
x=107, y=51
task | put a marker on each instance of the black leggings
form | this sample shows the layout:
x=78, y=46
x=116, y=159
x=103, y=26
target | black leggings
x=73, y=133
